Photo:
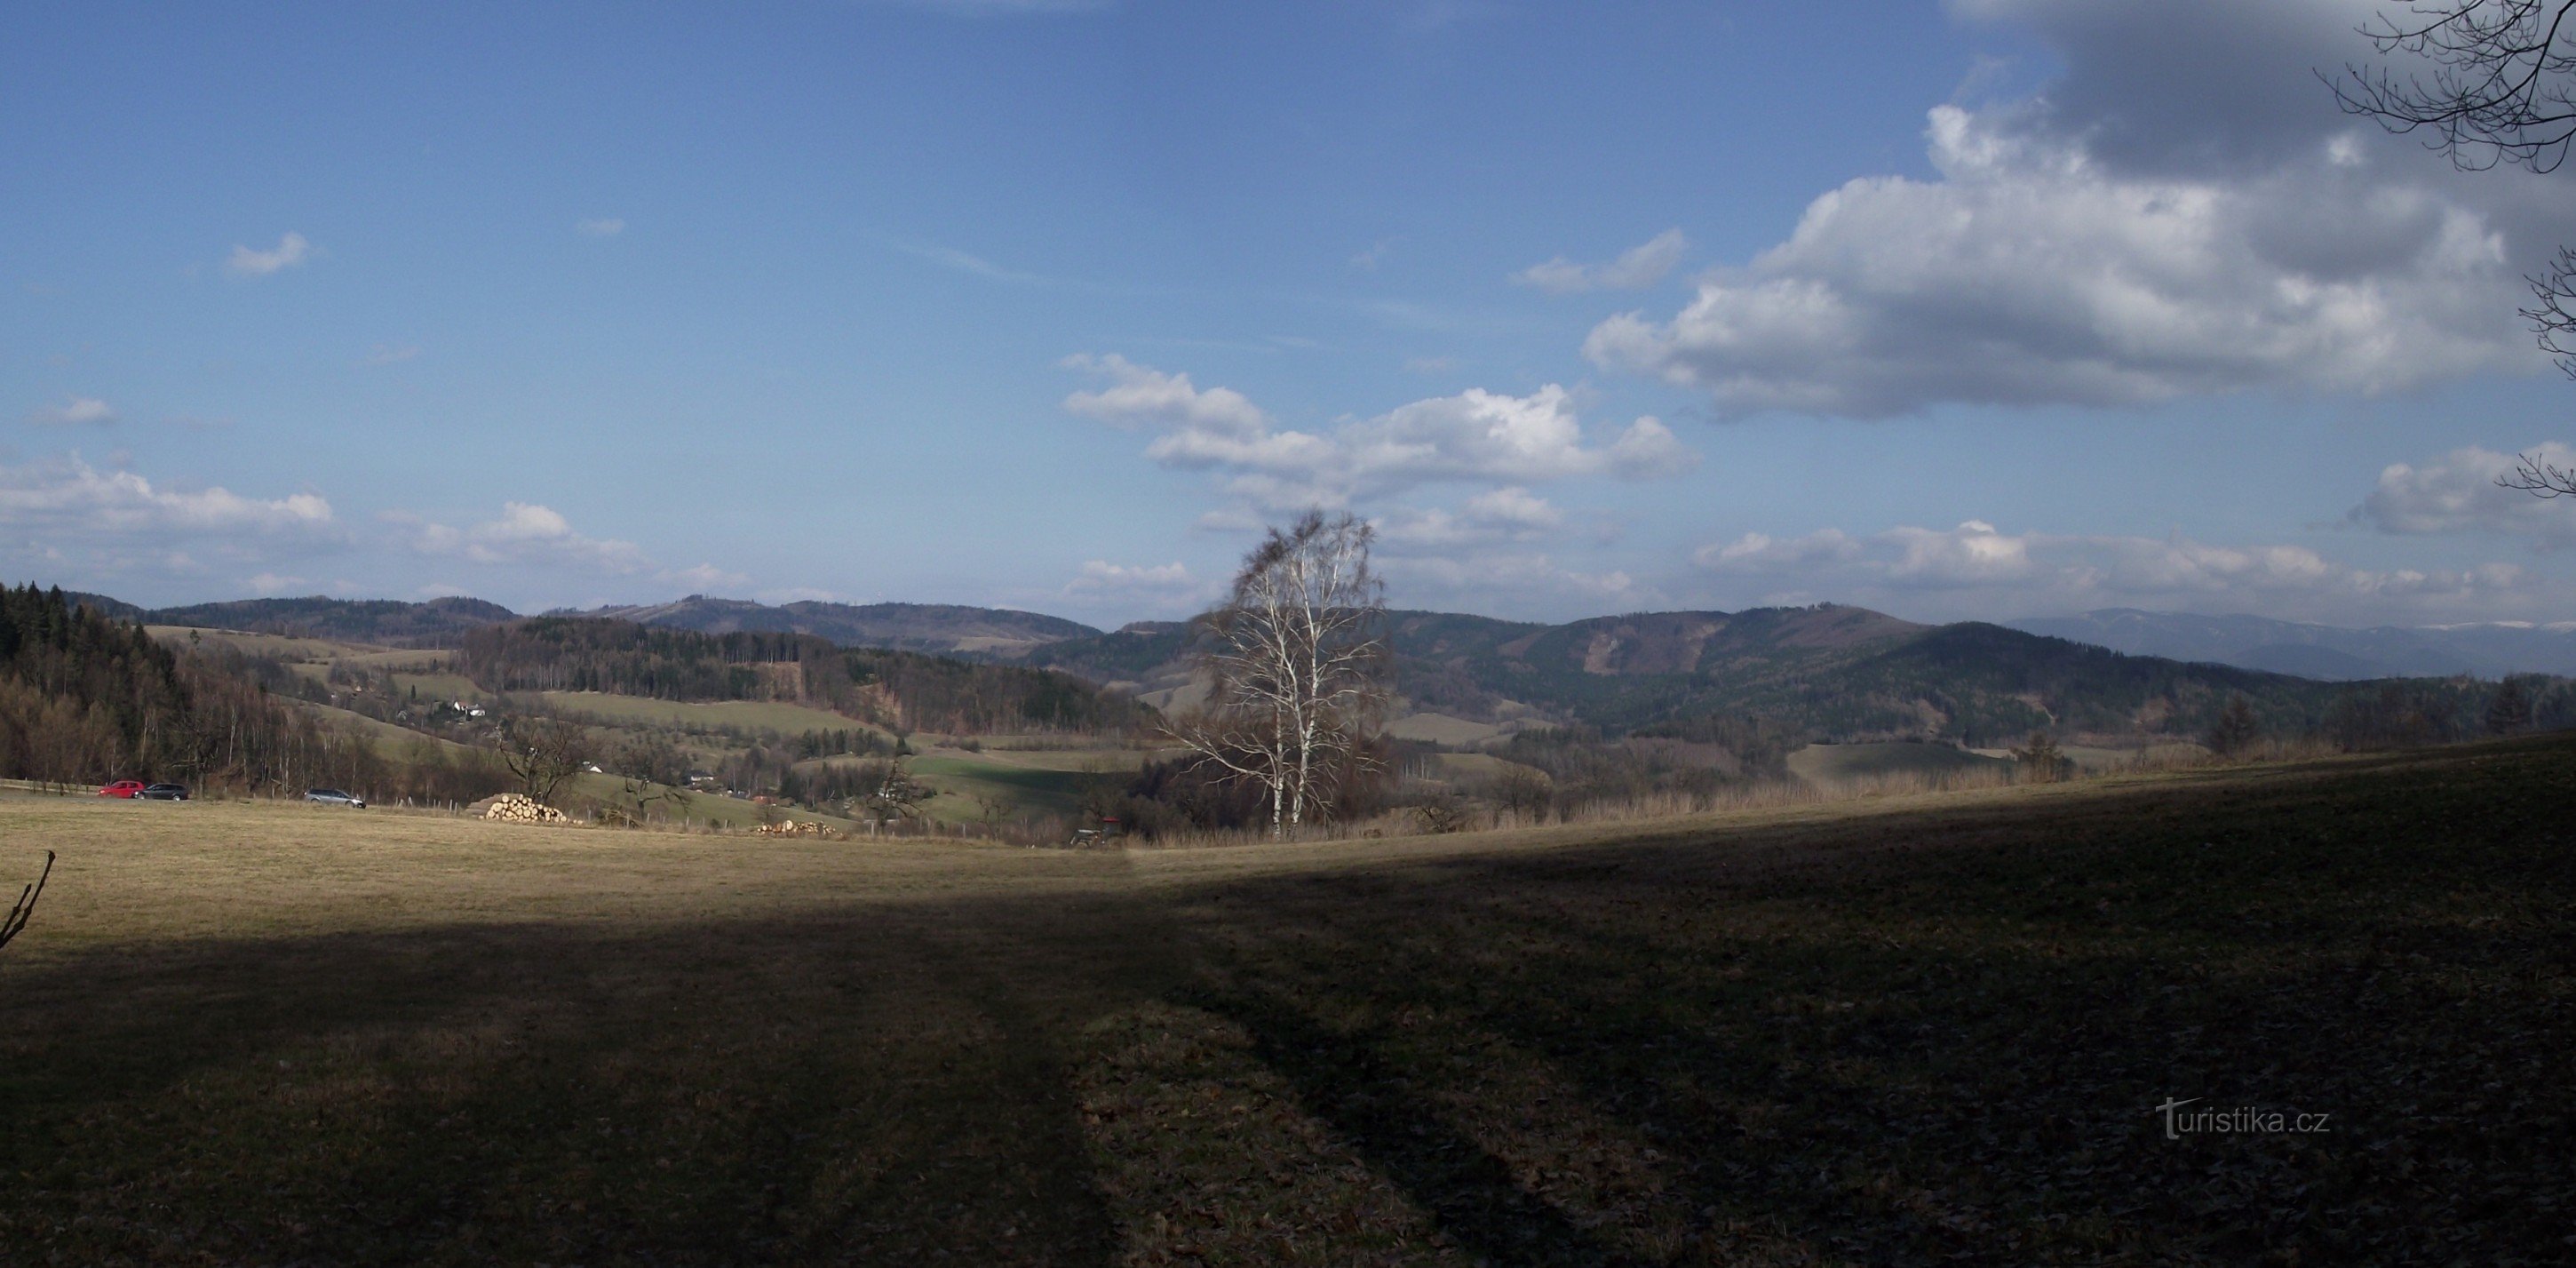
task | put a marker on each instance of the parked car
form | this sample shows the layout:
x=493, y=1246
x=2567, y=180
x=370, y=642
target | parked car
x=334, y=797
x=166, y=792
x=123, y=788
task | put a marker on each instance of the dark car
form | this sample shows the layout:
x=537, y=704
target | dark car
x=123, y=788
x=334, y=797
x=165, y=792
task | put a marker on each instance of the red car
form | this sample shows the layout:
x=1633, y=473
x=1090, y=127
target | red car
x=123, y=788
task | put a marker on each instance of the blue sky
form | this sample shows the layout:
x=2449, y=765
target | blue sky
x=1987, y=309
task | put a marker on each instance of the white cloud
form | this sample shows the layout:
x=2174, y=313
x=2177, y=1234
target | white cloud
x=76, y=411
x=526, y=533
x=2181, y=212
x=529, y=535
x=606, y=227
x=1159, y=589
x=1476, y=436
x=290, y=251
x=1139, y=396
x=269, y=583
x=1527, y=583
x=1637, y=268
x=390, y=354
x=67, y=498
x=1500, y=515
x=703, y=578
x=1977, y=570
x=2458, y=493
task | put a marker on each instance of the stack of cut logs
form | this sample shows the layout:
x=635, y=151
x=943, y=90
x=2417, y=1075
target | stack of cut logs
x=519, y=808
x=792, y=828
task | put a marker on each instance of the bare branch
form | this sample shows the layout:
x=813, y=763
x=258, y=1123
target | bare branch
x=2551, y=316
x=15, y=922
x=2539, y=479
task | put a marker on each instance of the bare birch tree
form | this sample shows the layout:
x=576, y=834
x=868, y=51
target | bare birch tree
x=1297, y=662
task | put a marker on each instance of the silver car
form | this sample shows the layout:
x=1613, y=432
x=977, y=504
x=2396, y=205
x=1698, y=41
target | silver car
x=334, y=797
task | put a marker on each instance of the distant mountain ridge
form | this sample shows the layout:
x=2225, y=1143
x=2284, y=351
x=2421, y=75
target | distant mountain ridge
x=1829, y=671
x=2325, y=652
x=912, y=627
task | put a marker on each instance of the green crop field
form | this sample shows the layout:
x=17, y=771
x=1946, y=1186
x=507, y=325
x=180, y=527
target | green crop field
x=1906, y=1029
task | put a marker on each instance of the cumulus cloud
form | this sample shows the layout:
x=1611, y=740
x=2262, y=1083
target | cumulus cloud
x=1531, y=584
x=529, y=535
x=1167, y=590
x=75, y=411
x=290, y=251
x=526, y=533
x=606, y=227
x=703, y=578
x=2159, y=222
x=1976, y=569
x=67, y=499
x=1476, y=436
x=1500, y=515
x=1637, y=268
x=2458, y=493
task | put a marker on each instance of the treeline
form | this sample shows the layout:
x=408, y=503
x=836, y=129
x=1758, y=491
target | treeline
x=86, y=699
x=83, y=696
x=901, y=691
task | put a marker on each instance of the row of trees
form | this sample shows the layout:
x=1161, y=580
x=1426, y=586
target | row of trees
x=903, y=691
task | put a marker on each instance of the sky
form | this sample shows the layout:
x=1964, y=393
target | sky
x=1977, y=310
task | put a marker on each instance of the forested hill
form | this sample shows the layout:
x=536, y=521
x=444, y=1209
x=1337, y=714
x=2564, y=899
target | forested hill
x=81, y=693
x=1830, y=672
x=86, y=698
x=388, y=621
x=918, y=627
x=896, y=689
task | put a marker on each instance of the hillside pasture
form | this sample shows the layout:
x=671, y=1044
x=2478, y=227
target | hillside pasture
x=1914, y=1029
x=1830, y=764
x=1440, y=728
x=285, y=647
x=751, y=716
x=1032, y=788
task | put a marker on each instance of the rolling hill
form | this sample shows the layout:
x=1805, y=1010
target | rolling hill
x=2327, y=652
x=914, y=627
x=1830, y=672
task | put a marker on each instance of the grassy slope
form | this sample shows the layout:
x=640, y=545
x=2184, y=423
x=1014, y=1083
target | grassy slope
x=1825, y=763
x=744, y=715
x=1904, y=1031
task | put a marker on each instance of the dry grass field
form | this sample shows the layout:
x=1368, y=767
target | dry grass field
x=1904, y=1029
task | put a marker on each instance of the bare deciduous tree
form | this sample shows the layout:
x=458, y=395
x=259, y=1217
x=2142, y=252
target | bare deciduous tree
x=895, y=793
x=544, y=752
x=2498, y=86
x=15, y=922
x=1297, y=664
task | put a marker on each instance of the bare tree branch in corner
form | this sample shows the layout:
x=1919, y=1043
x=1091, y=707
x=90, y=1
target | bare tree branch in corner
x=15, y=922
x=2540, y=479
x=2499, y=86
x=1298, y=667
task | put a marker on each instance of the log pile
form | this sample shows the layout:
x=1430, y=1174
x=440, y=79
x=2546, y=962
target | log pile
x=520, y=808
x=792, y=828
